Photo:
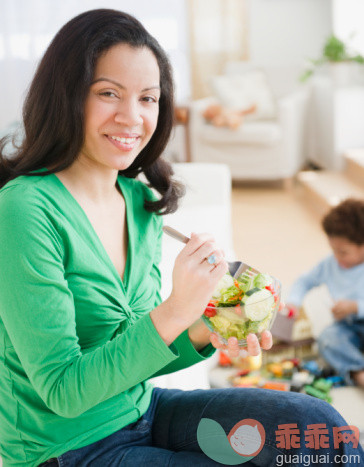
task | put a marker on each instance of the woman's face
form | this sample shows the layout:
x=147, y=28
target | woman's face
x=121, y=110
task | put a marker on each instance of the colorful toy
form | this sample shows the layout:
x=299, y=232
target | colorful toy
x=323, y=385
x=312, y=367
x=224, y=359
x=276, y=385
x=337, y=381
x=320, y=389
x=311, y=391
x=247, y=381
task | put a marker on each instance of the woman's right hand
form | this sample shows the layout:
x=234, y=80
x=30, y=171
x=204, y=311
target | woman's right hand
x=194, y=279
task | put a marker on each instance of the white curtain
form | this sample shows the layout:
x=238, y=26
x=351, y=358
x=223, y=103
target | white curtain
x=219, y=33
x=27, y=26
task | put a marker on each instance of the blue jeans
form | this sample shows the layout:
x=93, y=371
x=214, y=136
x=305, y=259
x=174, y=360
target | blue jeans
x=341, y=345
x=166, y=434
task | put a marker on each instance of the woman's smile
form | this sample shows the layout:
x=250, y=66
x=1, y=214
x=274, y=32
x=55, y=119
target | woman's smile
x=124, y=143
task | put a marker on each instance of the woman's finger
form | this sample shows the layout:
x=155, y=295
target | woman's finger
x=195, y=243
x=215, y=341
x=253, y=345
x=206, y=250
x=233, y=347
x=266, y=341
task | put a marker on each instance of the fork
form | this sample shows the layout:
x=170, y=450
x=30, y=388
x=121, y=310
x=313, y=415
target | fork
x=236, y=268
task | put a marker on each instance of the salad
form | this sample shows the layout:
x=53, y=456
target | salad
x=242, y=306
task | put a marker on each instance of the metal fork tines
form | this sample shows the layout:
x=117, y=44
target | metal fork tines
x=241, y=270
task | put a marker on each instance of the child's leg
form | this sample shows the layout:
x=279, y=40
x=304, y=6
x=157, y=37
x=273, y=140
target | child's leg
x=178, y=414
x=341, y=346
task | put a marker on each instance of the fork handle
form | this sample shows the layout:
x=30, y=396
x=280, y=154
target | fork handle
x=175, y=234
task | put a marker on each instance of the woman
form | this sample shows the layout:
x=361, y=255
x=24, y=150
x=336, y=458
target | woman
x=82, y=323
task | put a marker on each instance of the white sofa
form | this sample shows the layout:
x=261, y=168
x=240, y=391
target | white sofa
x=267, y=148
x=205, y=208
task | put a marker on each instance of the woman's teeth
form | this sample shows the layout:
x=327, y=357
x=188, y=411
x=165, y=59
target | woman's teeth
x=123, y=140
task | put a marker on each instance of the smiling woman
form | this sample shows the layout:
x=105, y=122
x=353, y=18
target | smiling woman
x=82, y=324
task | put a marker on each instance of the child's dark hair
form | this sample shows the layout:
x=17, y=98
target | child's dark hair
x=346, y=220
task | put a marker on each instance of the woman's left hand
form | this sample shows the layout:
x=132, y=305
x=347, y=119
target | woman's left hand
x=253, y=347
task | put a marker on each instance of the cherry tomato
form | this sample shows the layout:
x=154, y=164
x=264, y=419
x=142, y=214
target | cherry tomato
x=210, y=312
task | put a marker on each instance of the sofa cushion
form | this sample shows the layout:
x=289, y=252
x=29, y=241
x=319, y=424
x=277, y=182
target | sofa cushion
x=261, y=133
x=241, y=91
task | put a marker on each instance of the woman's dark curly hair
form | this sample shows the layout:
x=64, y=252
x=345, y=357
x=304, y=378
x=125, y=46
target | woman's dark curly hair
x=53, y=111
x=346, y=220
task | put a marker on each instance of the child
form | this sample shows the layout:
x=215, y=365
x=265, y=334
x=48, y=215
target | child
x=342, y=343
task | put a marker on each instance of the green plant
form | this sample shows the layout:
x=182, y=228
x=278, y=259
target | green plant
x=334, y=50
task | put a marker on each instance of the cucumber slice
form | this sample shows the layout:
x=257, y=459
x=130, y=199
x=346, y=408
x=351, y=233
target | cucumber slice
x=258, y=304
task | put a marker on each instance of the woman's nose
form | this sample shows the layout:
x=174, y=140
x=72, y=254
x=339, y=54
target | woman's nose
x=129, y=113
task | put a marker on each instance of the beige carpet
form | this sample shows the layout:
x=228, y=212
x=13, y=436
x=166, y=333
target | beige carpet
x=275, y=231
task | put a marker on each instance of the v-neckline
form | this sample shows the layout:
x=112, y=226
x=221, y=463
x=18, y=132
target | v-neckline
x=123, y=281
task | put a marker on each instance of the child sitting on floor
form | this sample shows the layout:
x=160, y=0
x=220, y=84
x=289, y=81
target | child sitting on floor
x=341, y=344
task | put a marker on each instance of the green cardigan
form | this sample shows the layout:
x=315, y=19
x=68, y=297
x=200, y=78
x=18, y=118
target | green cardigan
x=77, y=344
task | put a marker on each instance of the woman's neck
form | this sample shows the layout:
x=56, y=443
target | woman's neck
x=96, y=184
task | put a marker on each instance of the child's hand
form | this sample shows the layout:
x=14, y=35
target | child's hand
x=292, y=310
x=343, y=308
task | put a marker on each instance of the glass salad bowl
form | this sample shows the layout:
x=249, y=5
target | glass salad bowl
x=243, y=306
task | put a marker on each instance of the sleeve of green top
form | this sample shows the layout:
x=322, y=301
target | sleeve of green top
x=38, y=312
x=188, y=355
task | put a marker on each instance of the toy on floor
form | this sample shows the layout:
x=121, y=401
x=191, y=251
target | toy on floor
x=320, y=389
x=286, y=375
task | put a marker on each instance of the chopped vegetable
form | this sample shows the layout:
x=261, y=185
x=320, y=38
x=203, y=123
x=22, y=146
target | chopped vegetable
x=241, y=306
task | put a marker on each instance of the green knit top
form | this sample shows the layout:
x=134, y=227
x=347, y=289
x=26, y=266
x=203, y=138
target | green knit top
x=77, y=344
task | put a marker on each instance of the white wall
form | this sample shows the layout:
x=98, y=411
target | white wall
x=285, y=33
x=348, y=17
x=27, y=26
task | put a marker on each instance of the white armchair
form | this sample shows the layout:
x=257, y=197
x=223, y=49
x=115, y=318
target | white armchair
x=265, y=146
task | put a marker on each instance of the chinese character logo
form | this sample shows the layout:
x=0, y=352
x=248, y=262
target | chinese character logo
x=316, y=436
x=245, y=441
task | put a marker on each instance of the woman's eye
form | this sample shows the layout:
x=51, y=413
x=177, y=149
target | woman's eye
x=150, y=99
x=108, y=94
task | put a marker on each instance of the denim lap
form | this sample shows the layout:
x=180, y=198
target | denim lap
x=108, y=451
x=179, y=413
x=166, y=434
